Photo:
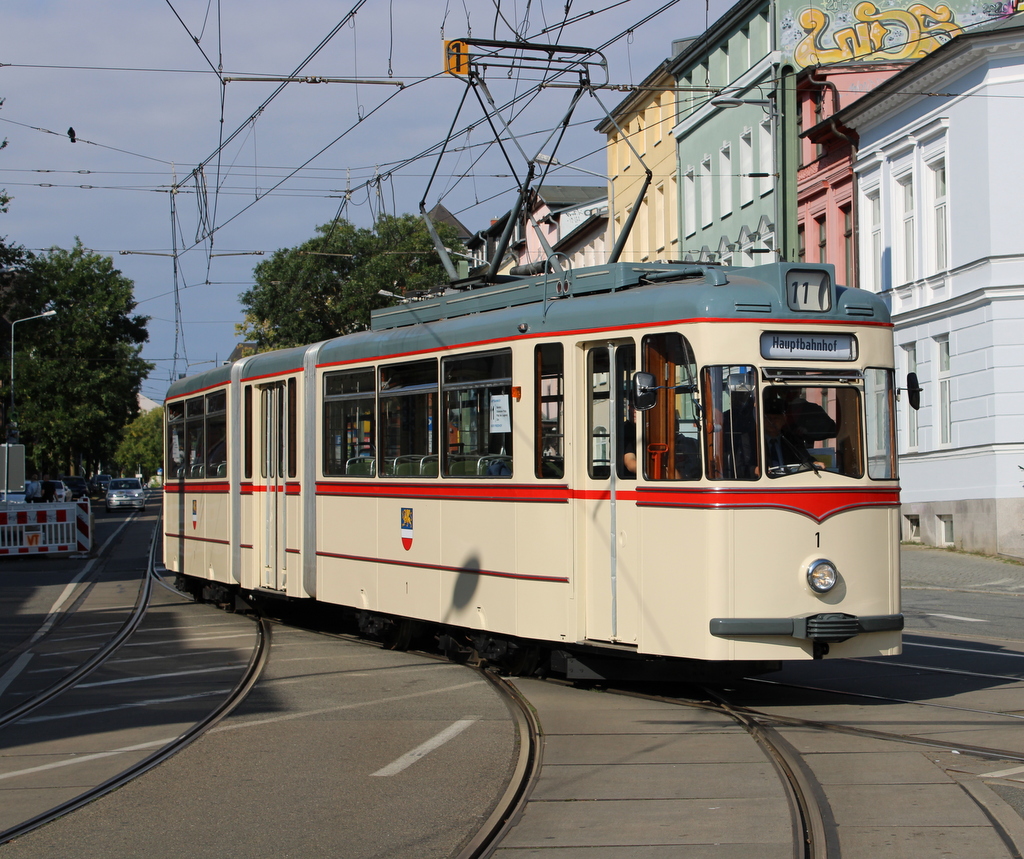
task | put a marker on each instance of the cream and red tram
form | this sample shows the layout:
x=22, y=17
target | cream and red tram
x=664, y=460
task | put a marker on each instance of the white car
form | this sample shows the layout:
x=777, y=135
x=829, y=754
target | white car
x=125, y=492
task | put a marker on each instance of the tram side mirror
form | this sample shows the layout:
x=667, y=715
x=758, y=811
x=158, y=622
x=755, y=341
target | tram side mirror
x=913, y=391
x=645, y=391
x=744, y=382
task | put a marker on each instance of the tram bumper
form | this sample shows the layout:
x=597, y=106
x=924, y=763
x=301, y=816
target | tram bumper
x=829, y=628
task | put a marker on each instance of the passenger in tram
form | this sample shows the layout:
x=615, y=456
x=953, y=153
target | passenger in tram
x=739, y=424
x=628, y=443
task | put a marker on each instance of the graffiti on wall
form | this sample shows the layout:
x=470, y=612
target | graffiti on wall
x=832, y=33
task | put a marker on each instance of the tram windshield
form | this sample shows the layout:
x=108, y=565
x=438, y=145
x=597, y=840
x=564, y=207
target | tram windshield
x=780, y=427
x=812, y=427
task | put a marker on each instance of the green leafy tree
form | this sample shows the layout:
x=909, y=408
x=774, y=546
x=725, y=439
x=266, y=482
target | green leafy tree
x=141, y=448
x=78, y=373
x=328, y=285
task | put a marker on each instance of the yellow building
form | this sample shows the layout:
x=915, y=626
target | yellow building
x=640, y=139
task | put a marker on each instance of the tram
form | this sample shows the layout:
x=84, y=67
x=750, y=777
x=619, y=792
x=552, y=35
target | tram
x=664, y=461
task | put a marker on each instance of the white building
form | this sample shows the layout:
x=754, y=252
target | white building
x=940, y=187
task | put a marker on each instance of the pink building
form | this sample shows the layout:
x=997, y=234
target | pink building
x=826, y=197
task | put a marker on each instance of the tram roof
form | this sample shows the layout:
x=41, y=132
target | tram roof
x=599, y=298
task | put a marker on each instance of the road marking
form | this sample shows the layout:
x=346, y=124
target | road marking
x=152, y=702
x=143, y=678
x=81, y=759
x=53, y=614
x=956, y=617
x=254, y=723
x=424, y=749
x=1002, y=773
x=15, y=670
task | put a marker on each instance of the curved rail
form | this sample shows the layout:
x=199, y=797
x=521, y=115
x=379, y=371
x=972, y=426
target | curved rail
x=252, y=673
x=523, y=779
x=810, y=809
x=257, y=662
x=100, y=656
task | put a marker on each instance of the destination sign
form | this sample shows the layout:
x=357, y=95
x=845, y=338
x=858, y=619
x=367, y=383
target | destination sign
x=808, y=347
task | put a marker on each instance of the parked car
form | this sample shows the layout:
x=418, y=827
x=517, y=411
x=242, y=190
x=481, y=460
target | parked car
x=78, y=488
x=125, y=492
x=100, y=482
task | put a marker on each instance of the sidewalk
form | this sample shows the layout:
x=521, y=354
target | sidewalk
x=924, y=566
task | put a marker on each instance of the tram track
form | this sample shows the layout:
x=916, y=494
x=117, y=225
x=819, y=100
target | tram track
x=100, y=656
x=163, y=749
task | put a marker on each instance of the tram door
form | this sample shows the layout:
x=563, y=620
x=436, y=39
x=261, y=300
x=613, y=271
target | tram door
x=608, y=525
x=275, y=444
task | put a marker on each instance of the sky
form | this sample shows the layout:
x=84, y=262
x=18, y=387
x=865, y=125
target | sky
x=188, y=182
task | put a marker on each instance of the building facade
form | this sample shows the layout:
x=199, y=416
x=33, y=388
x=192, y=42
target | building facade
x=938, y=199
x=639, y=139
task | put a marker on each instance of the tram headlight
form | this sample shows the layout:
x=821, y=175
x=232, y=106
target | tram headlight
x=822, y=576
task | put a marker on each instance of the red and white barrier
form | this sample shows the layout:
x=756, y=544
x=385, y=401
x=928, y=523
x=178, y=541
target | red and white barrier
x=27, y=529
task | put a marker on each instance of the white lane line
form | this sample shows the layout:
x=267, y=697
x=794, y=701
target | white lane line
x=81, y=759
x=51, y=618
x=956, y=617
x=15, y=670
x=424, y=749
x=255, y=723
x=143, y=678
x=1002, y=773
x=153, y=702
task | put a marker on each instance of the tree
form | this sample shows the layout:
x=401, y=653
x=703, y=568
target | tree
x=141, y=448
x=78, y=373
x=328, y=285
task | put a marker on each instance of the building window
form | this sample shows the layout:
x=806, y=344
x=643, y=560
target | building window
x=912, y=528
x=801, y=243
x=765, y=156
x=945, y=418
x=659, y=218
x=906, y=244
x=847, y=213
x=746, y=168
x=706, y=207
x=873, y=216
x=821, y=227
x=689, y=203
x=946, y=530
x=940, y=226
x=725, y=179
x=910, y=352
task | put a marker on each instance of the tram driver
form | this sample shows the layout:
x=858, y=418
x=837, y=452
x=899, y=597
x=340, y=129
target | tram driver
x=791, y=426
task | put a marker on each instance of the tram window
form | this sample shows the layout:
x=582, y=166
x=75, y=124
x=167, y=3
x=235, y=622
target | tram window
x=549, y=414
x=195, y=446
x=672, y=426
x=293, y=428
x=603, y=409
x=216, y=434
x=730, y=409
x=350, y=409
x=247, y=430
x=175, y=440
x=880, y=406
x=478, y=416
x=813, y=427
x=626, y=440
x=599, y=413
x=408, y=419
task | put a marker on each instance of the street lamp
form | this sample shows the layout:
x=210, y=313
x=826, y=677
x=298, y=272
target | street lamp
x=554, y=162
x=12, y=424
